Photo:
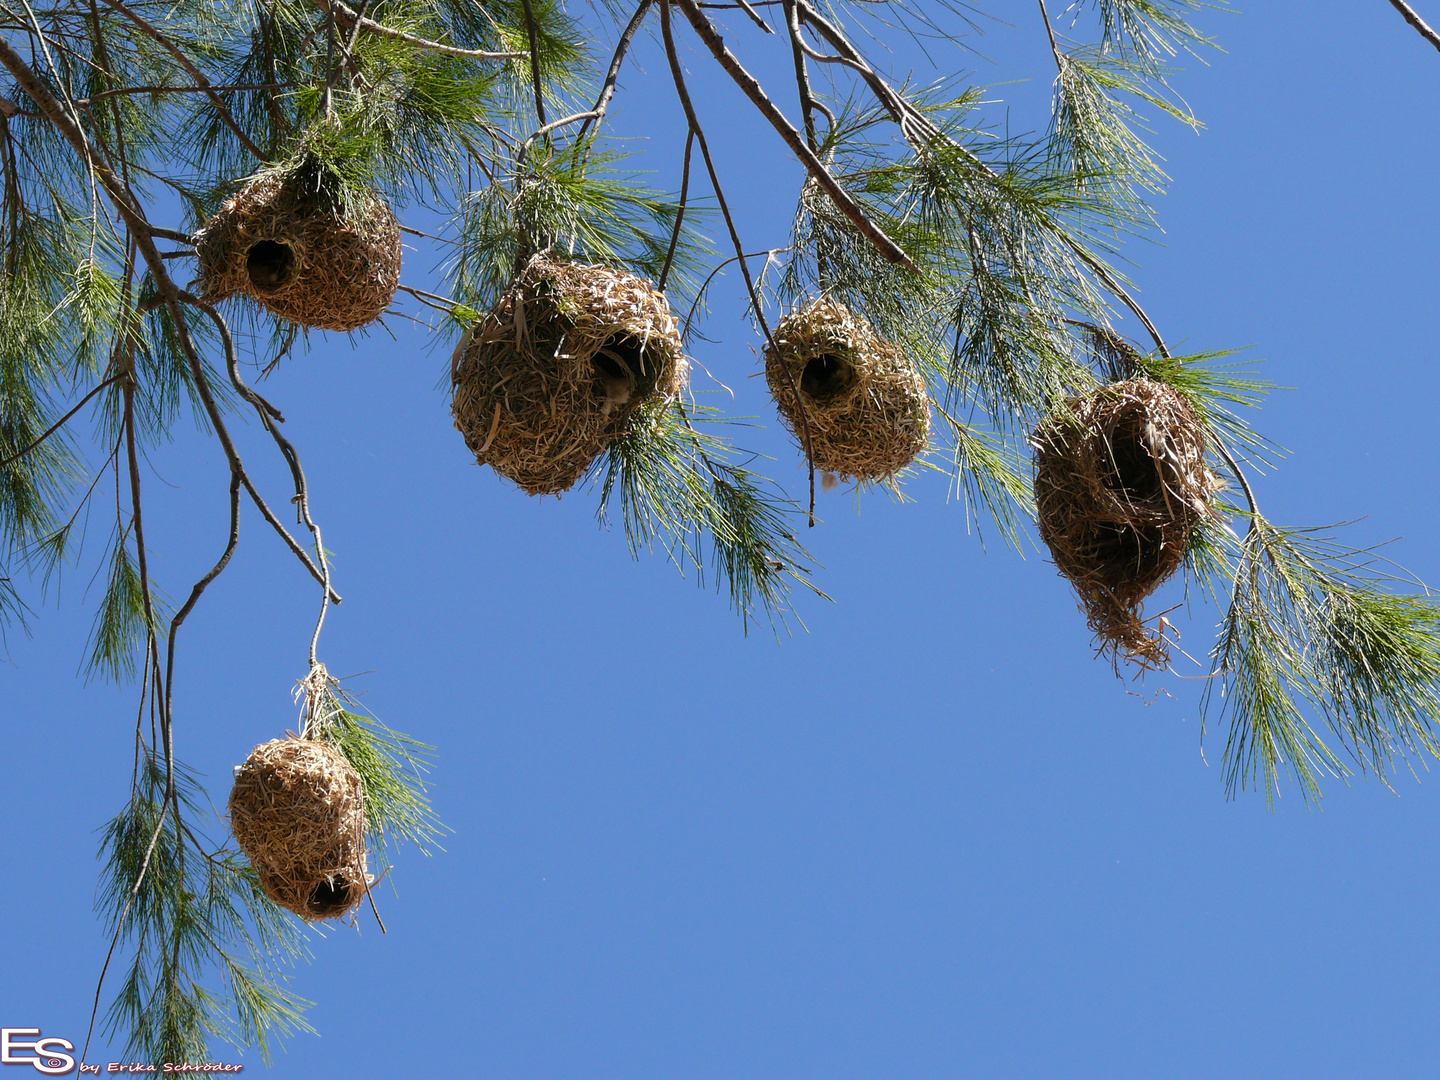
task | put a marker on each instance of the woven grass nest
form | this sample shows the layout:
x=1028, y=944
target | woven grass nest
x=865, y=402
x=298, y=253
x=298, y=813
x=551, y=376
x=1121, y=483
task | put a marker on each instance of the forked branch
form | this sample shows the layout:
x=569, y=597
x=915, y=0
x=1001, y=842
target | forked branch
x=793, y=139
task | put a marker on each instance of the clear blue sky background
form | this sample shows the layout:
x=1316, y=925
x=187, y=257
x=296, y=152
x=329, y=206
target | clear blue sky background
x=933, y=836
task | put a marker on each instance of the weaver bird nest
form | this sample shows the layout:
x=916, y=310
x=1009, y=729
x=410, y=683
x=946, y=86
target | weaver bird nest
x=551, y=376
x=297, y=251
x=1121, y=483
x=298, y=813
x=865, y=403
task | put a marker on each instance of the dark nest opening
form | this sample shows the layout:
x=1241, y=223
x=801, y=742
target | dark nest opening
x=301, y=254
x=1121, y=483
x=552, y=375
x=865, y=402
x=269, y=264
x=297, y=811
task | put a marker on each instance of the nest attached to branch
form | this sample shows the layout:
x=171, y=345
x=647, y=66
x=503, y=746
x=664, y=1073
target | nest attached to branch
x=551, y=376
x=1121, y=483
x=299, y=253
x=865, y=402
x=298, y=813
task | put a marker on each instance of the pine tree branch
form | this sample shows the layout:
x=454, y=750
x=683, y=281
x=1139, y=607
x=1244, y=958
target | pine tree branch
x=689, y=106
x=1050, y=31
x=534, y=33
x=612, y=76
x=197, y=591
x=221, y=109
x=126, y=91
x=1413, y=18
x=268, y=415
x=141, y=230
x=62, y=421
x=679, y=212
x=347, y=16
x=914, y=125
x=802, y=74
x=744, y=6
x=753, y=90
x=120, y=923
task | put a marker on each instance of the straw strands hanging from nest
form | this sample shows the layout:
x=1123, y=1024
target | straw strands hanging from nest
x=298, y=812
x=865, y=402
x=1121, y=483
x=550, y=377
x=294, y=247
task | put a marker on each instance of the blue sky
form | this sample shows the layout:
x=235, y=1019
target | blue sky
x=933, y=836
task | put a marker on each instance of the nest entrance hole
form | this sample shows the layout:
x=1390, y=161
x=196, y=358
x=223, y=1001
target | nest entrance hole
x=621, y=357
x=620, y=371
x=827, y=376
x=269, y=264
x=1133, y=470
x=332, y=897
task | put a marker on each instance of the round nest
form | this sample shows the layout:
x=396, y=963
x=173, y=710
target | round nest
x=867, y=409
x=551, y=376
x=300, y=255
x=1121, y=483
x=298, y=813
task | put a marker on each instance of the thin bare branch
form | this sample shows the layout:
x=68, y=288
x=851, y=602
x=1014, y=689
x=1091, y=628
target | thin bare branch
x=756, y=93
x=755, y=303
x=62, y=421
x=1413, y=18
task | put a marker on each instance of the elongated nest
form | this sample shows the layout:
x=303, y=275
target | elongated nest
x=1121, y=483
x=301, y=255
x=551, y=376
x=298, y=813
x=865, y=402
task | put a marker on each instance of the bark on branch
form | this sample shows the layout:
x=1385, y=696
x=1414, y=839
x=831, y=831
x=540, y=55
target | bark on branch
x=756, y=93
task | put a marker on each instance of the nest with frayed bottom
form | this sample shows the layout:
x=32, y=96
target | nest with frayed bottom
x=294, y=248
x=867, y=409
x=550, y=377
x=298, y=812
x=1121, y=483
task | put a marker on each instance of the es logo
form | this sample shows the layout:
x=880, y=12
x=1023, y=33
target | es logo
x=45, y=1057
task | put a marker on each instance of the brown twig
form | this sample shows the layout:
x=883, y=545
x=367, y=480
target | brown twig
x=1054, y=45
x=1413, y=18
x=802, y=74
x=534, y=33
x=612, y=76
x=756, y=93
x=689, y=106
x=62, y=421
x=679, y=213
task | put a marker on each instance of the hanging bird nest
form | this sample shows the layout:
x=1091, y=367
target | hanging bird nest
x=550, y=377
x=290, y=243
x=298, y=813
x=1121, y=483
x=867, y=409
